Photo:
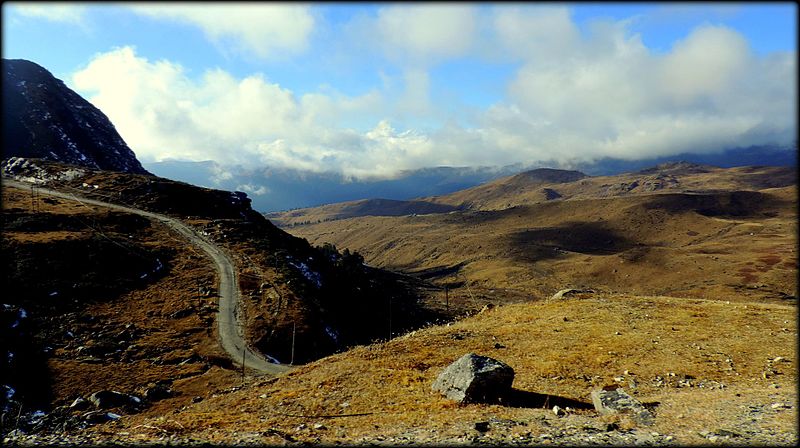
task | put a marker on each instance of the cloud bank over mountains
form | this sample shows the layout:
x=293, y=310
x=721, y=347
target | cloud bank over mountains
x=577, y=93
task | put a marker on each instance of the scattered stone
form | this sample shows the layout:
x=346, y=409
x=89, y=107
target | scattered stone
x=487, y=307
x=482, y=426
x=80, y=404
x=197, y=399
x=158, y=391
x=182, y=313
x=106, y=399
x=95, y=417
x=564, y=293
x=726, y=433
x=618, y=401
x=474, y=378
x=781, y=406
x=558, y=411
x=320, y=426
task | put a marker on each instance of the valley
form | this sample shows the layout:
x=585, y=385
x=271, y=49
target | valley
x=725, y=234
x=388, y=224
x=682, y=297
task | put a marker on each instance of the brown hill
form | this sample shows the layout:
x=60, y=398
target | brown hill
x=544, y=185
x=697, y=232
x=694, y=313
x=710, y=371
x=101, y=296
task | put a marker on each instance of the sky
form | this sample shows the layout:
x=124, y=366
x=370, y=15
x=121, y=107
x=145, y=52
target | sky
x=371, y=89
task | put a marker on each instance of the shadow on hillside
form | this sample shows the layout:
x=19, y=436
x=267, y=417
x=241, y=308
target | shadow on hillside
x=523, y=399
x=390, y=207
x=588, y=238
x=739, y=204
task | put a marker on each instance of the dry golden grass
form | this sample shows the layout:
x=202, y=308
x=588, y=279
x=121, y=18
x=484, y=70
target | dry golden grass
x=563, y=349
x=643, y=244
x=164, y=342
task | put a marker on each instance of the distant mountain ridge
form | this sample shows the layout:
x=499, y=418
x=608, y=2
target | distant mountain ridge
x=43, y=118
x=546, y=184
x=278, y=189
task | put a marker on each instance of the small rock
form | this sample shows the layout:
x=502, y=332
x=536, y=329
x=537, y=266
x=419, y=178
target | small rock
x=157, y=392
x=618, y=401
x=80, y=404
x=319, y=426
x=197, y=399
x=482, y=426
x=726, y=433
x=487, y=307
x=781, y=406
x=95, y=417
x=106, y=399
x=558, y=411
x=564, y=293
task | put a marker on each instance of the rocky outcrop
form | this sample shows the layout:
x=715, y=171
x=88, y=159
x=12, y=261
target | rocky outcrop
x=43, y=118
x=475, y=379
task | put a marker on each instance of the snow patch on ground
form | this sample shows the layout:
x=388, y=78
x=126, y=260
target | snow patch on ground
x=312, y=276
x=332, y=334
x=271, y=359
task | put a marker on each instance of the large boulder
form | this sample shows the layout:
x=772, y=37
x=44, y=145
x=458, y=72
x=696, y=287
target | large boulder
x=475, y=379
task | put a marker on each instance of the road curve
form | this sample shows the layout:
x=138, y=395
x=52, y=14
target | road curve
x=230, y=330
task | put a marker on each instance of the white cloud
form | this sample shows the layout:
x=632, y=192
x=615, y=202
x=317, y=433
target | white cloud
x=255, y=190
x=576, y=96
x=606, y=94
x=163, y=114
x=262, y=29
x=423, y=33
x=52, y=11
x=544, y=33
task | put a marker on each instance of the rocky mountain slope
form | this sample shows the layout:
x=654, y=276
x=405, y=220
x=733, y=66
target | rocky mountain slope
x=100, y=300
x=43, y=118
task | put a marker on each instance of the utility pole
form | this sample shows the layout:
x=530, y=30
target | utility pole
x=244, y=350
x=294, y=327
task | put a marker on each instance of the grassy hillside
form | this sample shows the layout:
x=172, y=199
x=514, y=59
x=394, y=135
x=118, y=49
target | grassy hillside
x=702, y=367
x=109, y=300
x=544, y=185
x=703, y=238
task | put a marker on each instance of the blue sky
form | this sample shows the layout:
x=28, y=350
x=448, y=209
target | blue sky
x=370, y=89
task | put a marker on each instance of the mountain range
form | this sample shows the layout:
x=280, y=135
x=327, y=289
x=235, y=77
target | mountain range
x=274, y=190
x=675, y=283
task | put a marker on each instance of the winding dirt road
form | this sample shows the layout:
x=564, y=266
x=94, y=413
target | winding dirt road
x=230, y=330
